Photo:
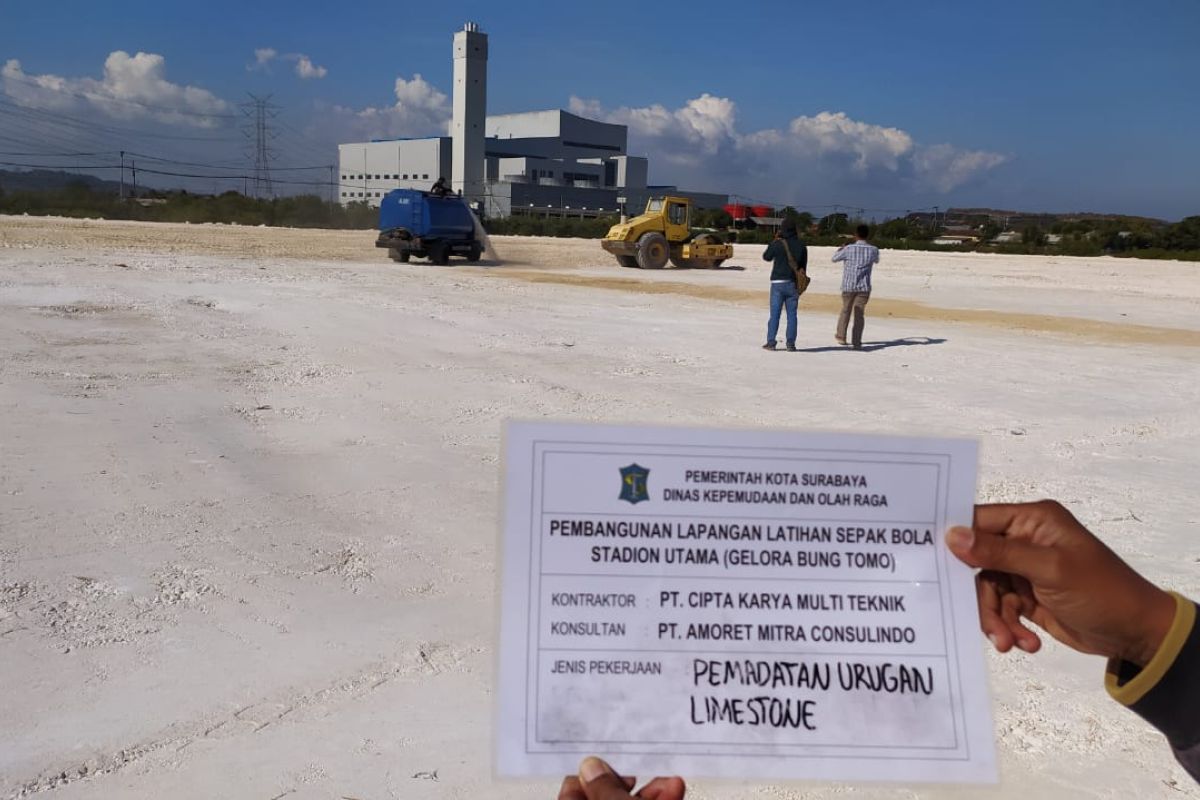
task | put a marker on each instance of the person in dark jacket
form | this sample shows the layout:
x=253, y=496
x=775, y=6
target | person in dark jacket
x=784, y=294
x=1040, y=564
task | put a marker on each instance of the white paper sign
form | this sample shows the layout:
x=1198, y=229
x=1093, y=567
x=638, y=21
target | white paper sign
x=753, y=604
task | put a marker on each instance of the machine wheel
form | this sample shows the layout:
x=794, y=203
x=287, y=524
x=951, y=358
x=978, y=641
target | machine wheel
x=476, y=252
x=700, y=263
x=439, y=254
x=398, y=255
x=652, y=251
x=627, y=261
x=694, y=263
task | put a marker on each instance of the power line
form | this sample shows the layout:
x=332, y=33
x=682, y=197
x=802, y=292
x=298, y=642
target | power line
x=52, y=135
x=90, y=128
x=211, y=165
x=59, y=166
x=59, y=155
x=152, y=171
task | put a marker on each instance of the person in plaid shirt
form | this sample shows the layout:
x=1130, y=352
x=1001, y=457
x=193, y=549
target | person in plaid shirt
x=858, y=259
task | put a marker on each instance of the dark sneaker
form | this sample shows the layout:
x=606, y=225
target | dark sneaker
x=791, y=348
x=858, y=347
x=769, y=346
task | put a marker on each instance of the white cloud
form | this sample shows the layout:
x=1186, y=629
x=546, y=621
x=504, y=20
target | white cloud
x=303, y=66
x=419, y=110
x=586, y=108
x=947, y=167
x=869, y=146
x=262, y=57
x=701, y=147
x=700, y=128
x=132, y=87
x=306, y=69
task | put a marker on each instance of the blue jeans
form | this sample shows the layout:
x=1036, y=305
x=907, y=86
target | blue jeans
x=783, y=295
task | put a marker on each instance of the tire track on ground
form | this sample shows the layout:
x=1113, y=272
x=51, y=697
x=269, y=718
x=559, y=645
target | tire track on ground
x=1081, y=327
x=249, y=719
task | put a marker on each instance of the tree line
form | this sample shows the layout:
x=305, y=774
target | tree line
x=77, y=199
x=1091, y=236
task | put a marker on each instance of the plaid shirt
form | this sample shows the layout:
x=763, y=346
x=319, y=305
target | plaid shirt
x=859, y=258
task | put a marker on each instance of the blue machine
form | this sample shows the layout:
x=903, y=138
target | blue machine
x=428, y=226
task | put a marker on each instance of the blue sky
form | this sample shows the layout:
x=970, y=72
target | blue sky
x=1039, y=106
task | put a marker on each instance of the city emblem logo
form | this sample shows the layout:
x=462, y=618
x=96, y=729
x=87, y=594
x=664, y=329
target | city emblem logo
x=633, y=484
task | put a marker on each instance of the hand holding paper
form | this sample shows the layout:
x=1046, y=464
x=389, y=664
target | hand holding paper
x=1038, y=562
x=598, y=781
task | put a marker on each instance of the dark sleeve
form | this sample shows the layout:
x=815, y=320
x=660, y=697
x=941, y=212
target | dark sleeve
x=802, y=259
x=1166, y=692
x=769, y=253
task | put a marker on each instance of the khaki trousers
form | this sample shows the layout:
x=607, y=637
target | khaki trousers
x=856, y=303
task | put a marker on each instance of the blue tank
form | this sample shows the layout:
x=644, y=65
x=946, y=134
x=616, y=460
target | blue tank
x=426, y=225
x=423, y=214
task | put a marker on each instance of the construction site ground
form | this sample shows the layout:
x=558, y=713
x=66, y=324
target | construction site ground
x=249, y=482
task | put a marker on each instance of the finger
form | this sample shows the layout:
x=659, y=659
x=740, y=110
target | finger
x=663, y=789
x=1045, y=521
x=601, y=782
x=1011, y=608
x=978, y=548
x=990, y=621
x=1031, y=610
x=997, y=517
x=571, y=789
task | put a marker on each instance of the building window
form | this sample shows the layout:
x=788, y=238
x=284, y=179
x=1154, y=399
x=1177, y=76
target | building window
x=343, y=177
x=424, y=177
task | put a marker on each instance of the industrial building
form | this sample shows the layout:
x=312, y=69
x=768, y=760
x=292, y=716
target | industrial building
x=542, y=162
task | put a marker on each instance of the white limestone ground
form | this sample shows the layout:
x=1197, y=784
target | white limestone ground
x=248, y=483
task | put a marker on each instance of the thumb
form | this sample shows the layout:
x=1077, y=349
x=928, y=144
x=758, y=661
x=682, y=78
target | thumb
x=601, y=782
x=1002, y=554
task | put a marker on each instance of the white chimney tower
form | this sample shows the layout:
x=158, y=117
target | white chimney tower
x=470, y=112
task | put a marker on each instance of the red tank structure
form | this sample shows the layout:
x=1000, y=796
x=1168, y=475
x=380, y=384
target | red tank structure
x=739, y=212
